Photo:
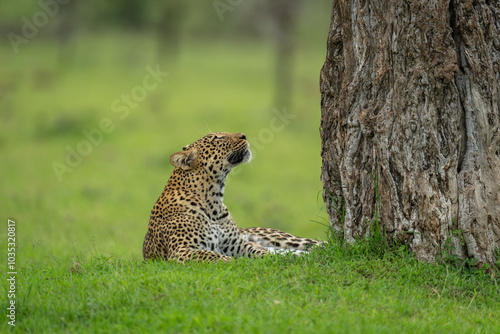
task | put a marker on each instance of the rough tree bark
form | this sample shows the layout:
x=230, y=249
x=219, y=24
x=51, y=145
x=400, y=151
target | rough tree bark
x=411, y=89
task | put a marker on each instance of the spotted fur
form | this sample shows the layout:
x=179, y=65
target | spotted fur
x=190, y=221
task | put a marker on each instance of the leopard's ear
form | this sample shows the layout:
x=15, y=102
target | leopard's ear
x=184, y=159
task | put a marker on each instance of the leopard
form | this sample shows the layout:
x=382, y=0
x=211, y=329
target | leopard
x=190, y=221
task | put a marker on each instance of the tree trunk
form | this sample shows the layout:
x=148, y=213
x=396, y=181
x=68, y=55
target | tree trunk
x=66, y=29
x=410, y=91
x=285, y=14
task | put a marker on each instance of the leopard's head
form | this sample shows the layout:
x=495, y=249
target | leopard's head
x=217, y=153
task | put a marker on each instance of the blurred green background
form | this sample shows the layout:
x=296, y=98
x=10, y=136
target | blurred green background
x=87, y=131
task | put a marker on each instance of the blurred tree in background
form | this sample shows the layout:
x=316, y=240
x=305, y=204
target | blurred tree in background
x=171, y=22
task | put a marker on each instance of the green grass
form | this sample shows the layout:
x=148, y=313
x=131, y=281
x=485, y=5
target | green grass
x=333, y=290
